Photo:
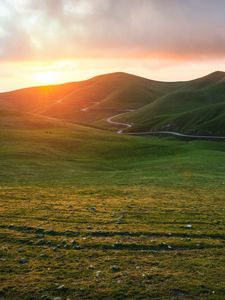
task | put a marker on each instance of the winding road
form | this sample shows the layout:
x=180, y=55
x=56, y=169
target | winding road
x=156, y=133
x=173, y=133
x=125, y=125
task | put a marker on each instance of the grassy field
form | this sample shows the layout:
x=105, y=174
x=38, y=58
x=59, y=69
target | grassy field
x=115, y=243
x=86, y=214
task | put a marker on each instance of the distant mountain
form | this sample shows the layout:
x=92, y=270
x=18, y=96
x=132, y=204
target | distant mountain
x=196, y=106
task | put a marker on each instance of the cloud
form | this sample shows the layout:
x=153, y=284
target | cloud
x=174, y=29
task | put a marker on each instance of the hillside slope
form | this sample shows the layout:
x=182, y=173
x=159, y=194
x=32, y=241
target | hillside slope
x=196, y=106
x=42, y=150
x=102, y=95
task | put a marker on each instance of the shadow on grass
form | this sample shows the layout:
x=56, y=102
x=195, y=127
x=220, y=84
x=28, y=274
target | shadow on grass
x=41, y=231
x=56, y=245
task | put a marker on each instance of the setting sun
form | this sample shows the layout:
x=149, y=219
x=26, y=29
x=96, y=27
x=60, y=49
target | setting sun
x=46, y=77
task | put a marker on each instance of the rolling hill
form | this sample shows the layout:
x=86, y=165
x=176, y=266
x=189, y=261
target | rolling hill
x=196, y=106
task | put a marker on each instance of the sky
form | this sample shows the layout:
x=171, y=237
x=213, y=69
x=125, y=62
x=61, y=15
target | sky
x=56, y=41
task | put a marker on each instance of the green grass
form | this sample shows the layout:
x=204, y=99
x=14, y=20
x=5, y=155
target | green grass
x=72, y=154
x=87, y=214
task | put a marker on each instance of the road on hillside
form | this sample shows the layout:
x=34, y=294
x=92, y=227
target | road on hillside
x=125, y=125
x=207, y=137
x=174, y=133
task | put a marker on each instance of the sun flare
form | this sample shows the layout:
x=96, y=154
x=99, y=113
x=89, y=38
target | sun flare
x=46, y=77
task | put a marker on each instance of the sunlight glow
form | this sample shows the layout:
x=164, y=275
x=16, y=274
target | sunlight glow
x=46, y=77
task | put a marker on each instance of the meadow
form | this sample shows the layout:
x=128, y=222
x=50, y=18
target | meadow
x=88, y=214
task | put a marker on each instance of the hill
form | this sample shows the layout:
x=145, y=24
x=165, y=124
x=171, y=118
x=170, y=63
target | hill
x=102, y=95
x=196, y=106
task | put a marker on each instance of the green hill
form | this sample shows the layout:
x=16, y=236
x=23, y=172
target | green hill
x=195, y=106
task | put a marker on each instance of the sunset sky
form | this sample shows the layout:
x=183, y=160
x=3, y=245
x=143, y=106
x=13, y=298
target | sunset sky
x=54, y=41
